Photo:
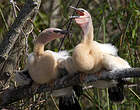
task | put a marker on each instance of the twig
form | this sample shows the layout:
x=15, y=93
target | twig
x=9, y=96
x=54, y=102
x=14, y=7
x=6, y=25
x=12, y=45
x=11, y=37
x=25, y=35
x=134, y=93
x=69, y=26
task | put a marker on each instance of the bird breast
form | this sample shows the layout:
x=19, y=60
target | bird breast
x=87, y=57
x=43, y=69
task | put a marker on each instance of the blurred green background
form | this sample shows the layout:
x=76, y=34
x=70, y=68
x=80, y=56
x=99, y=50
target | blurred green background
x=115, y=21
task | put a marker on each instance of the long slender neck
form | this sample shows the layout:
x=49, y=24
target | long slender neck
x=41, y=41
x=38, y=48
x=88, y=33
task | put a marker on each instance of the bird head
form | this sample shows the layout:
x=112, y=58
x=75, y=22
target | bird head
x=83, y=19
x=51, y=34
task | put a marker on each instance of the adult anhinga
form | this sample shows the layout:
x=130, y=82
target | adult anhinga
x=91, y=57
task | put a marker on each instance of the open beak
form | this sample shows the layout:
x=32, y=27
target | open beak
x=78, y=11
x=73, y=8
x=61, y=31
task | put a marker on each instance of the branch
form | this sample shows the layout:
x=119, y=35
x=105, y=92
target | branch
x=68, y=26
x=114, y=75
x=29, y=8
x=9, y=96
x=13, y=44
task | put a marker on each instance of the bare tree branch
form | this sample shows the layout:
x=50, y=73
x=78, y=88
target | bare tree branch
x=9, y=40
x=117, y=74
x=13, y=44
x=11, y=95
x=68, y=26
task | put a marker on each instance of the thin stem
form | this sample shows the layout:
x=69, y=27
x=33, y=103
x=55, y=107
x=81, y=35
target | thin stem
x=103, y=21
x=124, y=35
x=134, y=93
x=69, y=26
x=108, y=105
x=14, y=8
x=98, y=93
x=54, y=102
x=6, y=25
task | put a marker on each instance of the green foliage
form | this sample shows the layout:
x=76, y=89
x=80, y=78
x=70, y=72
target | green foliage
x=116, y=22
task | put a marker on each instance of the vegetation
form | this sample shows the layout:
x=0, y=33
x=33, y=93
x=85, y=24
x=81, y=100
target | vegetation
x=116, y=22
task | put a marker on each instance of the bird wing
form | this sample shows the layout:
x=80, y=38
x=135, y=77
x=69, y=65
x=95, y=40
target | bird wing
x=64, y=61
x=25, y=79
x=107, y=48
x=111, y=63
x=59, y=55
x=114, y=62
x=30, y=59
x=67, y=100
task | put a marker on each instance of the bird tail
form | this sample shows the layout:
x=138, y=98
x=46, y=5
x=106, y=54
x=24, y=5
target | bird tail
x=69, y=103
x=116, y=94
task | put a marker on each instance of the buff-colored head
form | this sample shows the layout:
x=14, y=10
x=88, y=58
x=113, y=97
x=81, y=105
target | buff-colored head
x=83, y=19
x=50, y=34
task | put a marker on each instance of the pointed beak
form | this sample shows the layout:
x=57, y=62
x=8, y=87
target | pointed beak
x=77, y=11
x=61, y=31
x=74, y=8
x=73, y=17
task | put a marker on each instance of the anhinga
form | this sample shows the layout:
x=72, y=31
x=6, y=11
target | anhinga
x=43, y=67
x=92, y=57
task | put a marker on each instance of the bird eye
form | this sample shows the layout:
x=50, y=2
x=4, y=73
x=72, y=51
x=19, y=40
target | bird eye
x=56, y=31
x=61, y=31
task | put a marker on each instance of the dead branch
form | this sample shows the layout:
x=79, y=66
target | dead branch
x=11, y=95
x=29, y=8
x=68, y=26
x=13, y=44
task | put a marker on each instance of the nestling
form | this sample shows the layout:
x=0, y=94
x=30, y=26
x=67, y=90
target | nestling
x=42, y=65
x=92, y=57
